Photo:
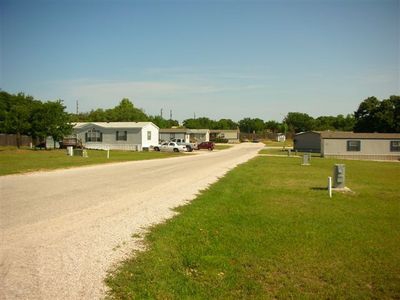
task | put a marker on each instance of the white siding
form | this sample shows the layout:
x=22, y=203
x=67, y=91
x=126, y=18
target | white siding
x=136, y=137
x=153, y=130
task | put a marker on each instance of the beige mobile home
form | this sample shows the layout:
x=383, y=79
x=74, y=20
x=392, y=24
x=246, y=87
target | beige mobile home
x=231, y=136
x=167, y=134
x=117, y=135
x=189, y=135
x=370, y=146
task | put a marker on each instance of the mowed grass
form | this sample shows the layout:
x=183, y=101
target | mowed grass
x=284, y=152
x=273, y=143
x=222, y=146
x=14, y=160
x=268, y=230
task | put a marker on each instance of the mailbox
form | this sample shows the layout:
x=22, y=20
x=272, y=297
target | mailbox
x=339, y=176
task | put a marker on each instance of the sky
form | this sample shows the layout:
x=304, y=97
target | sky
x=219, y=59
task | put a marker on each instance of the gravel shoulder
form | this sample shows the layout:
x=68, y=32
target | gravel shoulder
x=61, y=231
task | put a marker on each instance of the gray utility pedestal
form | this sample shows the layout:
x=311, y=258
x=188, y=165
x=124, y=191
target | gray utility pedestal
x=339, y=176
x=70, y=151
x=306, y=159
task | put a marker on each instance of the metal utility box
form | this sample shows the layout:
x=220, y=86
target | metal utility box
x=339, y=176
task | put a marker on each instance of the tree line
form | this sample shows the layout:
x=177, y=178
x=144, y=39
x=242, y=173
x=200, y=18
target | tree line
x=22, y=114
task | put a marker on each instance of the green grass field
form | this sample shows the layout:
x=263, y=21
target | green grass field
x=271, y=143
x=269, y=230
x=284, y=152
x=14, y=160
x=222, y=146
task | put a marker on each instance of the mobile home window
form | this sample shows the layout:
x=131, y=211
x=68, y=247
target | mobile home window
x=149, y=135
x=395, y=146
x=93, y=135
x=353, y=145
x=122, y=135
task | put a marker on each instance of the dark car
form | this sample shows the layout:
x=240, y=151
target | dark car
x=206, y=145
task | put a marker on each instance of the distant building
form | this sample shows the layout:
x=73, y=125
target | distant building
x=117, y=135
x=280, y=137
x=370, y=146
x=231, y=136
x=167, y=134
x=189, y=135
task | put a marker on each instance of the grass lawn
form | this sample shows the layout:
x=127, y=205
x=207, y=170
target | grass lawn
x=280, y=151
x=272, y=143
x=269, y=230
x=14, y=160
x=222, y=146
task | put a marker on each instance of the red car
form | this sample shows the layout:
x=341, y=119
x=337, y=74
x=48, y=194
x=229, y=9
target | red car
x=206, y=145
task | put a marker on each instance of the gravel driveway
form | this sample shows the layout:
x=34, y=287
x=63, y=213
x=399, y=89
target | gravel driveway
x=62, y=230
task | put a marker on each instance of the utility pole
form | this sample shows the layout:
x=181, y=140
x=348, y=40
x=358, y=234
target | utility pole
x=170, y=114
x=194, y=114
x=77, y=107
x=161, y=113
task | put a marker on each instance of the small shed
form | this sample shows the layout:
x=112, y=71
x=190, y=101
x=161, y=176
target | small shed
x=309, y=141
x=117, y=135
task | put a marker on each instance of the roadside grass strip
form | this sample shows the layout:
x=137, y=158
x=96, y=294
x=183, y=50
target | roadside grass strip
x=222, y=147
x=284, y=152
x=14, y=160
x=269, y=230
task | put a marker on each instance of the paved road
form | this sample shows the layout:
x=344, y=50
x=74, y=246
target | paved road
x=62, y=230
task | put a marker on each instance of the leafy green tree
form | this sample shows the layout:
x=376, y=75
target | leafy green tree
x=15, y=114
x=163, y=123
x=98, y=115
x=299, y=122
x=17, y=121
x=272, y=126
x=126, y=112
x=249, y=125
x=199, y=123
x=365, y=115
x=396, y=118
x=225, y=124
x=373, y=115
x=50, y=119
x=343, y=123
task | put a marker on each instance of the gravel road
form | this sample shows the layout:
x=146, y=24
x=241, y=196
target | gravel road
x=61, y=231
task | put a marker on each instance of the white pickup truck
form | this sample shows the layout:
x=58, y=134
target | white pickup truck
x=189, y=146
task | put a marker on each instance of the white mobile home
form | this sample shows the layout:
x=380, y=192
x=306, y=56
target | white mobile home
x=117, y=135
x=371, y=146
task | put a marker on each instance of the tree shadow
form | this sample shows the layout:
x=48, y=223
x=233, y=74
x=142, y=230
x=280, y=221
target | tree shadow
x=318, y=188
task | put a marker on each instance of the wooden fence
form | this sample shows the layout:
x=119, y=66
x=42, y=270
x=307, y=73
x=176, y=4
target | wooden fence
x=11, y=140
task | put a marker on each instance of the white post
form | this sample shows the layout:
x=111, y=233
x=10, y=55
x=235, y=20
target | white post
x=108, y=153
x=330, y=186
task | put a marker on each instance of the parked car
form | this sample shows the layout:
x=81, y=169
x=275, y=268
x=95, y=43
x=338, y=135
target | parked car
x=206, y=145
x=170, y=147
x=189, y=146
